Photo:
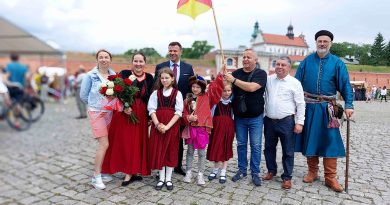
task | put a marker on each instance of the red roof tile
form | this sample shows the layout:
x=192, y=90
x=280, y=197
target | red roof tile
x=295, y=58
x=283, y=40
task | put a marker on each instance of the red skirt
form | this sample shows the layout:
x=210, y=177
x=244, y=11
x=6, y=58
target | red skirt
x=128, y=143
x=220, y=147
x=164, y=148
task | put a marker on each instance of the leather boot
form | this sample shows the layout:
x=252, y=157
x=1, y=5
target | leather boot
x=312, y=175
x=330, y=169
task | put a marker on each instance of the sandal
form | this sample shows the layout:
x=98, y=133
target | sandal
x=212, y=176
x=222, y=179
x=169, y=185
x=159, y=185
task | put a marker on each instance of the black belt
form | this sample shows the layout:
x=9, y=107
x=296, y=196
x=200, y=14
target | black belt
x=278, y=120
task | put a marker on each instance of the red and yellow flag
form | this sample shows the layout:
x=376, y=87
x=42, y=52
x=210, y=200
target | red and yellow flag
x=193, y=8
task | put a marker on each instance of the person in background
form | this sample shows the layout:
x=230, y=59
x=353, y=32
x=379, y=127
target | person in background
x=77, y=85
x=17, y=72
x=99, y=117
x=44, y=86
x=383, y=93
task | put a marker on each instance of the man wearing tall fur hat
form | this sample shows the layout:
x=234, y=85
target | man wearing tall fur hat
x=322, y=74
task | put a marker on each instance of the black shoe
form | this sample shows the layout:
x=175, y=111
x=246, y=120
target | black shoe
x=125, y=183
x=169, y=185
x=159, y=185
x=179, y=171
x=135, y=178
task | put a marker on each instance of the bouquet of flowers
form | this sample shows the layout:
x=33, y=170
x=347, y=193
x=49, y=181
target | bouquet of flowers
x=121, y=90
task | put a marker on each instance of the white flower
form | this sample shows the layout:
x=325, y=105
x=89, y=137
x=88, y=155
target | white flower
x=103, y=85
x=132, y=77
x=110, y=91
x=193, y=105
x=110, y=84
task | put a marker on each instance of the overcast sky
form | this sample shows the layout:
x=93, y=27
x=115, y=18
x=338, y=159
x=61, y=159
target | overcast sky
x=119, y=25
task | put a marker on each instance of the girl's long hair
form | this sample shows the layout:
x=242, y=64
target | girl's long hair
x=158, y=85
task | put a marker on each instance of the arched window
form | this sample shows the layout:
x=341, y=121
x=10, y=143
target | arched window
x=229, y=62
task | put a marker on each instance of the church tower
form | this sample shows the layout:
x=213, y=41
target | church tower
x=290, y=32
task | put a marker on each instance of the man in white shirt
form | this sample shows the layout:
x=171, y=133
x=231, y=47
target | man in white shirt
x=284, y=116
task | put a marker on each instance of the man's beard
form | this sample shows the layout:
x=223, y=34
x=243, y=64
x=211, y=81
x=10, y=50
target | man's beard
x=322, y=50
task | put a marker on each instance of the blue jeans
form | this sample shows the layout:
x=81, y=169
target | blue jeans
x=253, y=126
x=273, y=130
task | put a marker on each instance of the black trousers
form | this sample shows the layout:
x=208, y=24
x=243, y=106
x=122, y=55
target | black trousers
x=181, y=150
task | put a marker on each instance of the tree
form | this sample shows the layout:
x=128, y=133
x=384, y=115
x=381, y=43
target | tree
x=387, y=54
x=198, y=49
x=149, y=52
x=339, y=49
x=377, y=51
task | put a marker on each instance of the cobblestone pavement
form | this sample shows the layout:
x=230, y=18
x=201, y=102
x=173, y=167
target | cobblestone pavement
x=52, y=164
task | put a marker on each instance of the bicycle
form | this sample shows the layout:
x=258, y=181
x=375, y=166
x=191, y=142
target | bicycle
x=35, y=105
x=17, y=115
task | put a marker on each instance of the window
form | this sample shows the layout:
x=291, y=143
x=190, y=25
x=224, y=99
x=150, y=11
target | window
x=229, y=62
x=273, y=63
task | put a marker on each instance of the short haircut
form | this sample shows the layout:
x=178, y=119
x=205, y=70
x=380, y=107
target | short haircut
x=253, y=51
x=175, y=43
x=14, y=57
x=286, y=58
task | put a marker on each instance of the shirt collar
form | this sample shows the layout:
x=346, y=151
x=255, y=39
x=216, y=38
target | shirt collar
x=171, y=63
x=283, y=79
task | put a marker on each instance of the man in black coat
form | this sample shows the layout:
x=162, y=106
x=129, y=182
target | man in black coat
x=183, y=71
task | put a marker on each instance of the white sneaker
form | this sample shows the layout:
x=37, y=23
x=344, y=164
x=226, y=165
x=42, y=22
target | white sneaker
x=200, y=179
x=188, y=177
x=97, y=182
x=106, y=177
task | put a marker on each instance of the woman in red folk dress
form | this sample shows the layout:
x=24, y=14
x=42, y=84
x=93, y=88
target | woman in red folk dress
x=128, y=149
x=220, y=148
x=165, y=106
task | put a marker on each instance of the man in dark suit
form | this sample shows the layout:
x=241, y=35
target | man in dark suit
x=183, y=71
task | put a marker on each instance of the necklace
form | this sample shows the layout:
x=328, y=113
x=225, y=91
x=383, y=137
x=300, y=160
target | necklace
x=139, y=75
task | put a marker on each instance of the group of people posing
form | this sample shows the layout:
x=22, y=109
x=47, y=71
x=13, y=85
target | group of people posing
x=176, y=107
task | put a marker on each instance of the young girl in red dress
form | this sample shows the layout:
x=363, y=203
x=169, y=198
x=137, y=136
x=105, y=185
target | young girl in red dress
x=220, y=149
x=128, y=142
x=165, y=106
x=197, y=116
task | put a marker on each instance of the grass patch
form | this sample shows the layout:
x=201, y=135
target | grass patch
x=369, y=68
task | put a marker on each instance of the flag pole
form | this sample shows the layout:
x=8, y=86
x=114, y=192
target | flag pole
x=219, y=38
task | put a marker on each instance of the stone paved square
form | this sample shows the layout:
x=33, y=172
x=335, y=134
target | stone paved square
x=52, y=163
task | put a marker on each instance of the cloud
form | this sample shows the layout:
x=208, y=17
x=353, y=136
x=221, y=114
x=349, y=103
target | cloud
x=118, y=25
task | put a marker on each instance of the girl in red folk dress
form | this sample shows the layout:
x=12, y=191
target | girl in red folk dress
x=128, y=142
x=165, y=106
x=220, y=149
x=197, y=116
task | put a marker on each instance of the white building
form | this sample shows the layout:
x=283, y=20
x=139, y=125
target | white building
x=268, y=47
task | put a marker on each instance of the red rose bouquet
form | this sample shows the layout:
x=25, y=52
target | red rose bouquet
x=122, y=90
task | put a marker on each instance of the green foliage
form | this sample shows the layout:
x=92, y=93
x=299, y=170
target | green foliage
x=198, y=49
x=149, y=52
x=377, y=51
x=350, y=49
x=387, y=54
